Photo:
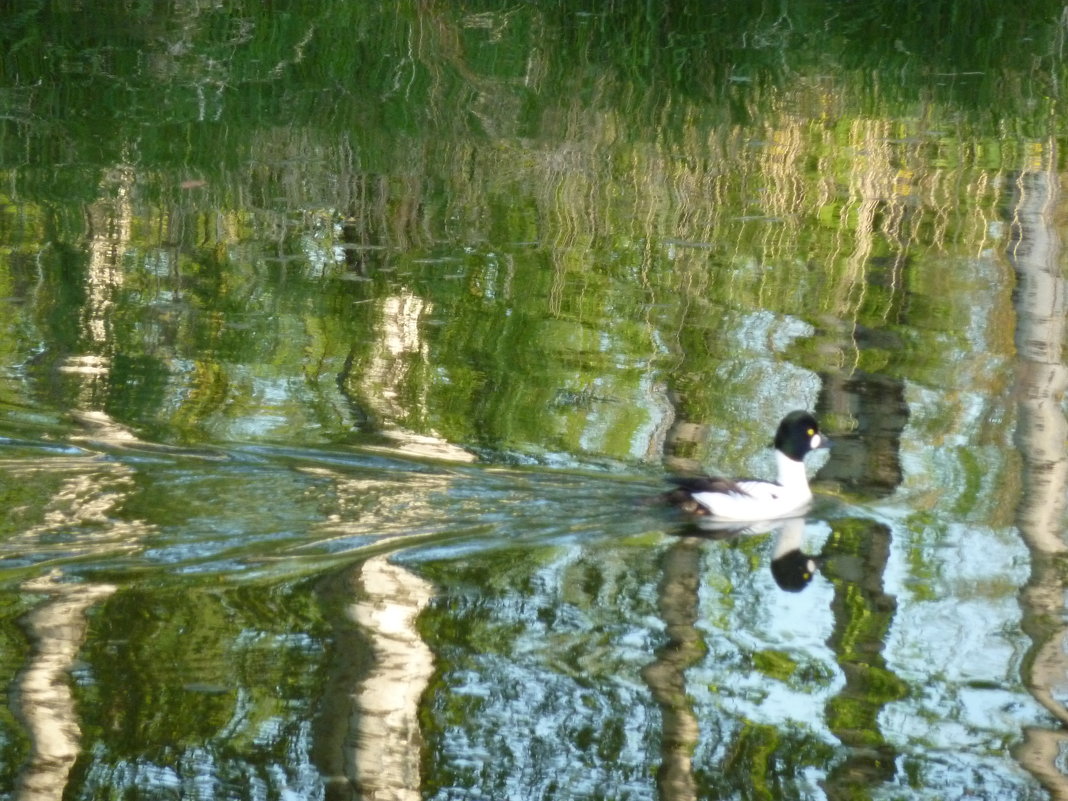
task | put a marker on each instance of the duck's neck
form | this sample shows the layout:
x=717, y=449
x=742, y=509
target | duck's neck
x=792, y=474
x=789, y=537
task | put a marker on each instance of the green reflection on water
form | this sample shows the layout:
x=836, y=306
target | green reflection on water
x=220, y=677
x=290, y=241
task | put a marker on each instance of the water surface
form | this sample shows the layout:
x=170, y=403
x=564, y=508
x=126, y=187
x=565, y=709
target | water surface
x=342, y=351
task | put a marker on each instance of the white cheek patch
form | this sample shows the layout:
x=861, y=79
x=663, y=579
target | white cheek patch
x=815, y=443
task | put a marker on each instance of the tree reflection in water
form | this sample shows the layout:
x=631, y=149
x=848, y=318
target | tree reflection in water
x=1041, y=300
x=42, y=693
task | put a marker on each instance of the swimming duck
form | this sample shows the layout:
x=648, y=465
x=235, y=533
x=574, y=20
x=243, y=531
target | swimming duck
x=750, y=499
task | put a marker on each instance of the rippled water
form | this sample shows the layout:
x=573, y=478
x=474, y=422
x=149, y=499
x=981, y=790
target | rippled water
x=345, y=351
x=529, y=629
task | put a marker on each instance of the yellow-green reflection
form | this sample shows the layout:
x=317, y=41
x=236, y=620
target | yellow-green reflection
x=272, y=281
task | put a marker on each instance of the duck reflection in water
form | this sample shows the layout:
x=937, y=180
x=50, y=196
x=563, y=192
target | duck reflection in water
x=791, y=567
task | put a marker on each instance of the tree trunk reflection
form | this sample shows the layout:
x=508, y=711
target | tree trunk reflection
x=666, y=675
x=43, y=694
x=1040, y=436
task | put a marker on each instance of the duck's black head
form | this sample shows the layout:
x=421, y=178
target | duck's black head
x=798, y=434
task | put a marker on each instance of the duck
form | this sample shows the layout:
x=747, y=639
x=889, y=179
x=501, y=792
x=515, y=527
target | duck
x=735, y=500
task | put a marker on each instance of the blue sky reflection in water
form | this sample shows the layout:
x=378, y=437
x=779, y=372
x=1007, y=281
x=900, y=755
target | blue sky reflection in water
x=341, y=348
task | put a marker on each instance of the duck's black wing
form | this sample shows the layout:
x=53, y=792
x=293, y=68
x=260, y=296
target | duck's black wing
x=687, y=486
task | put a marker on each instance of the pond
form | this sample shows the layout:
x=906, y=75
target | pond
x=346, y=351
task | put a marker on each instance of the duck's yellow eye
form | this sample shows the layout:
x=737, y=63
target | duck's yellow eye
x=812, y=432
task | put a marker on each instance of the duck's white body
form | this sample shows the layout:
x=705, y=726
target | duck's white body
x=761, y=500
